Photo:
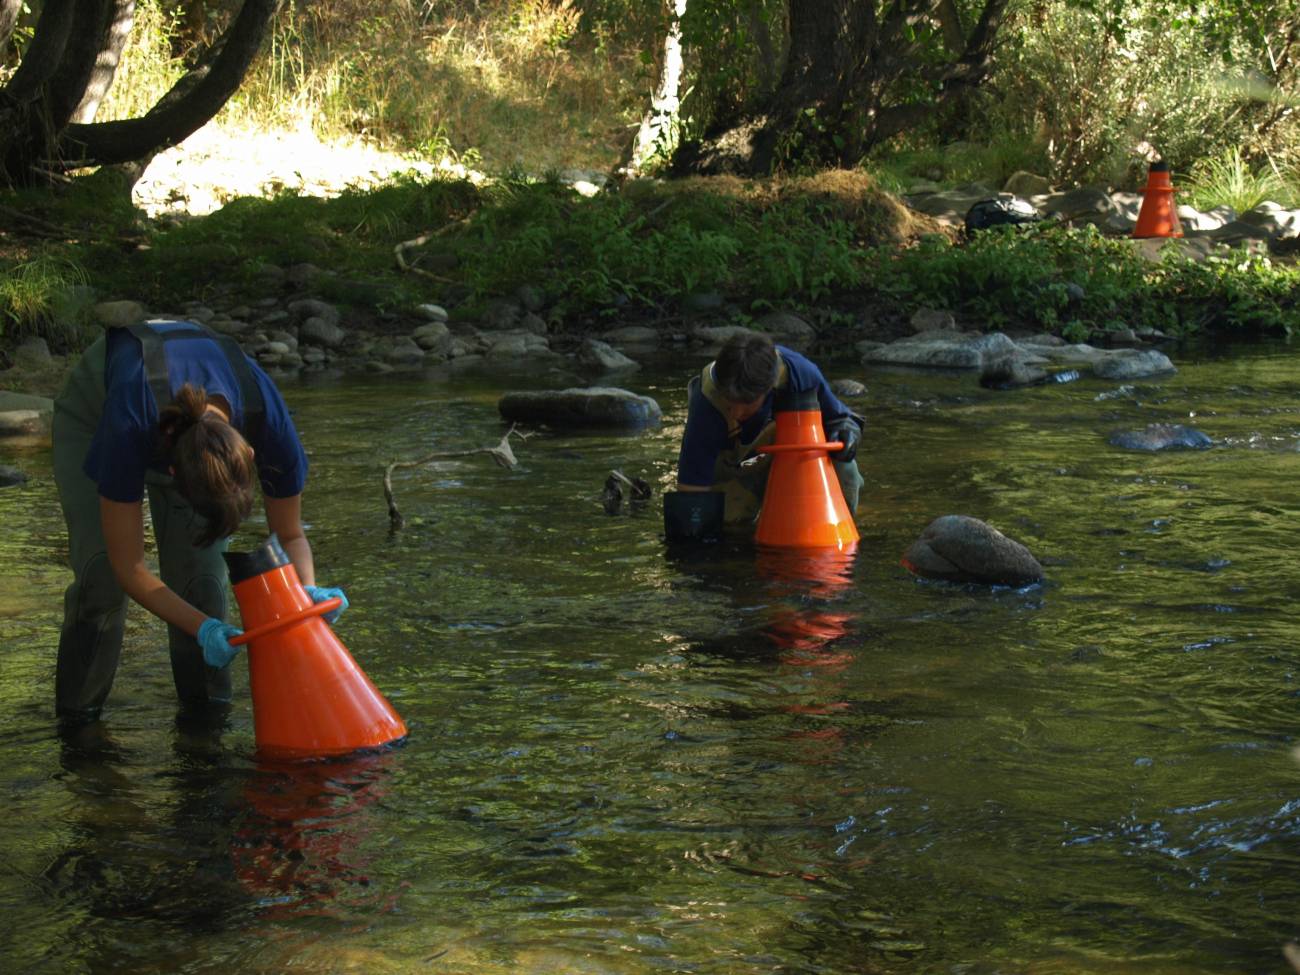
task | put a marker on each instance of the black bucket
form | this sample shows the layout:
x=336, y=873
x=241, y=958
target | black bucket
x=693, y=516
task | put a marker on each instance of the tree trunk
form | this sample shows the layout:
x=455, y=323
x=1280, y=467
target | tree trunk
x=45, y=51
x=10, y=11
x=190, y=104
x=42, y=94
x=657, y=133
x=850, y=81
x=106, y=62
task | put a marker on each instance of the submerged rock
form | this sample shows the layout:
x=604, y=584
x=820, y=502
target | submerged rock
x=9, y=476
x=1161, y=436
x=958, y=548
x=848, y=388
x=594, y=406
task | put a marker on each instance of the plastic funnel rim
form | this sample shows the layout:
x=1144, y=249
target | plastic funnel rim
x=315, y=609
x=788, y=448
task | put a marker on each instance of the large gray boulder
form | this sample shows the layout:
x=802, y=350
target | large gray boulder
x=787, y=328
x=25, y=417
x=948, y=350
x=113, y=314
x=600, y=357
x=958, y=548
x=1124, y=364
x=321, y=330
x=592, y=406
x=632, y=335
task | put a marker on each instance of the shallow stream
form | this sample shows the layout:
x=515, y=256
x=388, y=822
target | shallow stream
x=625, y=759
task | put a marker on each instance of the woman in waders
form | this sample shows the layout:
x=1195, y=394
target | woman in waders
x=175, y=409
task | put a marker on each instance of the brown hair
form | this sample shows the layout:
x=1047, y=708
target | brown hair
x=212, y=462
x=746, y=367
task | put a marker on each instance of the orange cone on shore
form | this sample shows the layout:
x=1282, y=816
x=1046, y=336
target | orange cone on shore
x=803, y=505
x=1158, y=216
x=310, y=699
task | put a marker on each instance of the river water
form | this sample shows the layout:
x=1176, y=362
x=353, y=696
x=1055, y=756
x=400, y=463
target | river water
x=626, y=759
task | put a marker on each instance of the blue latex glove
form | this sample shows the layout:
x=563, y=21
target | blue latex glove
x=319, y=594
x=848, y=432
x=214, y=637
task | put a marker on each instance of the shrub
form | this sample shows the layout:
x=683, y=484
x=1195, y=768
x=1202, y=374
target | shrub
x=1099, y=95
x=1075, y=281
x=43, y=296
x=1229, y=179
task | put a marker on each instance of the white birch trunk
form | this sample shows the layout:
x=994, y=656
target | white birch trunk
x=657, y=133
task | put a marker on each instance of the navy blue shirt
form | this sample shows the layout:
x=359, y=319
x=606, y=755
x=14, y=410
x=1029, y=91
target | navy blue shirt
x=706, y=435
x=125, y=443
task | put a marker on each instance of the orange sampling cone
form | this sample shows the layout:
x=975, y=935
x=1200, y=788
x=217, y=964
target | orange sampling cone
x=310, y=699
x=803, y=505
x=1158, y=216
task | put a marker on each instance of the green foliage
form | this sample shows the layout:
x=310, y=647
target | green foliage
x=1100, y=86
x=1228, y=178
x=608, y=251
x=43, y=296
x=1075, y=282
x=353, y=235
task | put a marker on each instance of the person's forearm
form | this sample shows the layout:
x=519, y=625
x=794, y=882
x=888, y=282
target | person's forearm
x=149, y=591
x=299, y=551
x=284, y=517
x=693, y=487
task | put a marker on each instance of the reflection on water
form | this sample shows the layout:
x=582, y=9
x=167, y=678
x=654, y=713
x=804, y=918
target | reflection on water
x=626, y=757
x=301, y=843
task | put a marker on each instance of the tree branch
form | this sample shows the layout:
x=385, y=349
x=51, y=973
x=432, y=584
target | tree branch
x=501, y=453
x=399, y=252
x=189, y=105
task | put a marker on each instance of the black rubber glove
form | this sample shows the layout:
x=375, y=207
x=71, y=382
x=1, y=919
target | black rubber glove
x=848, y=431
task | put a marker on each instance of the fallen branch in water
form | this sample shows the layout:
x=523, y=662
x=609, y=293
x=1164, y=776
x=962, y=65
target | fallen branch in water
x=501, y=453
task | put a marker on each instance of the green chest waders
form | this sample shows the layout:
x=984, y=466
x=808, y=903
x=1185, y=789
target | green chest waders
x=90, y=642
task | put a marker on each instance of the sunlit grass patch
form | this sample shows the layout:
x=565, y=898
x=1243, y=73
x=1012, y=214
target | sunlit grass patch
x=44, y=296
x=1229, y=179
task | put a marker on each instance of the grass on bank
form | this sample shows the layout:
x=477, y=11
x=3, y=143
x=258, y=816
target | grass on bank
x=828, y=244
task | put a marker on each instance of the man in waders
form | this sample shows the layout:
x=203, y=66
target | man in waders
x=175, y=409
x=730, y=414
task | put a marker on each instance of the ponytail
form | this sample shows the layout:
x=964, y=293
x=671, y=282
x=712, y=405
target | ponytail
x=212, y=462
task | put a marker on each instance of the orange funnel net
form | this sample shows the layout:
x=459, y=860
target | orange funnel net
x=1158, y=216
x=803, y=505
x=310, y=699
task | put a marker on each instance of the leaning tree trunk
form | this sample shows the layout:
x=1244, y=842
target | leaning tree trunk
x=846, y=84
x=58, y=77
x=106, y=61
x=43, y=92
x=190, y=104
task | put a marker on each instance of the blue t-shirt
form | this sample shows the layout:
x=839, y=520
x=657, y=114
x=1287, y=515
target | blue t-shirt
x=706, y=435
x=125, y=442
